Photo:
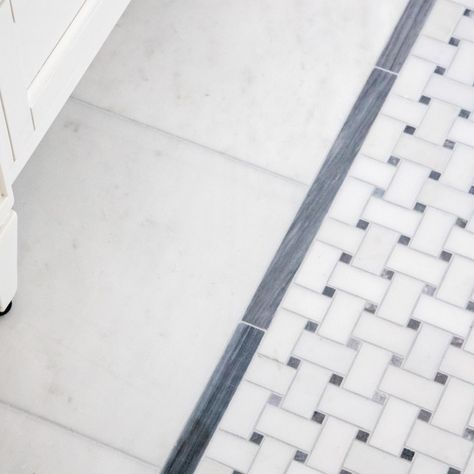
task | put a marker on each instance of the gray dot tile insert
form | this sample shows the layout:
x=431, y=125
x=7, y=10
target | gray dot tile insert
x=449, y=144
x=396, y=360
x=378, y=192
x=413, y=324
x=457, y=341
x=409, y=130
x=328, y=291
x=387, y=274
x=274, y=399
x=318, y=417
x=256, y=438
x=453, y=41
x=452, y=470
x=293, y=362
x=345, y=258
x=435, y=175
x=407, y=454
x=464, y=113
x=404, y=240
x=439, y=70
x=379, y=397
x=362, y=436
x=429, y=290
x=300, y=456
x=424, y=415
x=441, y=378
x=361, y=224
x=370, y=307
x=419, y=207
x=445, y=256
x=461, y=222
x=393, y=160
x=336, y=379
x=311, y=326
x=353, y=344
x=470, y=306
x=469, y=434
x=425, y=100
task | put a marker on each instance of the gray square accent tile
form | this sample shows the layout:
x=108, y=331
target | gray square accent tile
x=452, y=470
x=318, y=417
x=441, y=378
x=393, y=160
x=424, y=415
x=328, y=291
x=293, y=362
x=370, y=307
x=464, y=113
x=361, y=224
x=256, y=438
x=413, y=324
x=378, y=192
x=457, y=341
x=470, y=306
x=353, y=344
x=425, y=100
x=387, y=274
x=453, y=41
x=404, y=240
x=362, y=436
x=420, y=207
x=461, y=222
x=345, y=258
x=439, y=70
x=300, y=456
x=429, y=290
x=379, y=397
x=311, y=326
x=274, y=399
x=435, y=175
x=449, y=144
x=467, y=12
x=469, y=434
x=471, y=190
x=407, y=454
x=445, y=256
x=409, y=130
x=336, y=379
x=396, y=360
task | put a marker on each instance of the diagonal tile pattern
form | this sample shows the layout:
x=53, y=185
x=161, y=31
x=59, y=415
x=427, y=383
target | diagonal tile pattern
x=371, y=351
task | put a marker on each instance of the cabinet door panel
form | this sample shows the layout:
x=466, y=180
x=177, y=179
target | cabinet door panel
x=41, y=24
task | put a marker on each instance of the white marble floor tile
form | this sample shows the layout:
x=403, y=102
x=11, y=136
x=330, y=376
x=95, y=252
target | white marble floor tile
x=268, y=81
x=32, y=445
x=138, y=255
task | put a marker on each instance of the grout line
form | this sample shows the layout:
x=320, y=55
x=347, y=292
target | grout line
x=77, y=433
x=228, y=156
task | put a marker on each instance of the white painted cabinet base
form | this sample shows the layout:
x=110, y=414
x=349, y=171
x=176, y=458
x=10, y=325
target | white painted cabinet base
x=45, y=48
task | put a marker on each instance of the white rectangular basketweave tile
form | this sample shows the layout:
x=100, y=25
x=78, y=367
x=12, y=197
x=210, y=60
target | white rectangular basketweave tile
x=358, y=282
x=382, y=137
x=367, y=370
x=306, y=390
x=400, y=299
x=209, y=466
x=413, y=78
x=343, y=236
x=460, y=170
x=324, y=352
x=433, y=231
x=443, y=315
x=406, y=184
x=282, y=336
x=368, y=460
x=375, y=249
x=443, y=19
x=273, y=457
x=299, y=468
x=458, y=363
x=455, y=407
x=462, y=68
x=332, y=445
x=270, y=374
x=423, y=152
x=424, y=464
x=411, y=387
x=384, y=334
x=448, y=90
x=462, y=131
x=350, y=200
x=392, y=216
x=306, y=302
x=437, y=122
x=408, y=111
x=232, y=451
x=428, y=350
x=287, y=427
x=372, y=171
x=317, y=266
x=416, y=264
x=341, y=317
x=350, y=407
x=439, y=444
x=394, y=425
x=465, y=29
x=244, y=409
x=438, y=52
x=458, y=284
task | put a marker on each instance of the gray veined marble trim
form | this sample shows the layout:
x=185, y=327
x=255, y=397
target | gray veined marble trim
x=404, y=35
x=211, y=406
x=301, y=233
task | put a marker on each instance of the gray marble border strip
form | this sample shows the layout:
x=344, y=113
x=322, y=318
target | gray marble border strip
x=301, y=233
x=211, y=406
x=404, y=35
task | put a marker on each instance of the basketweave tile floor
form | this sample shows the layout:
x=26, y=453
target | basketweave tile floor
x=173, y=174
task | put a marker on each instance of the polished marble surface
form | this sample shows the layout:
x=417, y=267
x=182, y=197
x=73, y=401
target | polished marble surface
x=138, y=255
x=268, y=81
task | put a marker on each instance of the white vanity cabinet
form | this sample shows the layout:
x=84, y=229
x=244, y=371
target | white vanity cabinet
x=45, y=48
